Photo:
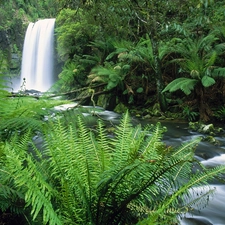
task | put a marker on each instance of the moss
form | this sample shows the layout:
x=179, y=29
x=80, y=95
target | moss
x=120, y=108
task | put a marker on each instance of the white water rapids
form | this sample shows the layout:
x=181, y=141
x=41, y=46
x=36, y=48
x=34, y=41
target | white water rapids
x=210, y=155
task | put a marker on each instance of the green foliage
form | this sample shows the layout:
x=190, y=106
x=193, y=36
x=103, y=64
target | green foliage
x=74, y=32
x=18, y=114
x=218, y=72
x=11, y=198
x=197, y=59
x=196, y=55
x=121, y=67
x=23, y=113
x=84, y=28
x=24, y=11
x=220, y=113
x=182, y=83
x=72, y=76
x=115, y=65
x=189, y=114
x=207, y=81
x=113, y=76
x=82, y=176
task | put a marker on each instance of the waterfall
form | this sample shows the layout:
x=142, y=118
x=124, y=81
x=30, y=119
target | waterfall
x=38, y=56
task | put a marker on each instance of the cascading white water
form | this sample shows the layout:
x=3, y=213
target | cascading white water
x=38, y=56
x=210, y=156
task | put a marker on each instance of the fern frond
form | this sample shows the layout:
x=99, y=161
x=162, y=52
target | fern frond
x=10, y=198
x=20, y=114
x=200, y=178
x=81, y=177
x=71, y=180
x=220, y=48
x=116, y=52
x=38, y=191
x=152, y=143
x=107, y=75
x=206, y=42
x=207, y=81
x=102, y=148
x=218, y=72
x=187, y=147
x=210, y=59
x=122, y=140
x=183, y=83
x=91, y=60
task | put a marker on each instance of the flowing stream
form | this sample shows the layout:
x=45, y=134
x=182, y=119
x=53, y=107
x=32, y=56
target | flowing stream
x=210, y=155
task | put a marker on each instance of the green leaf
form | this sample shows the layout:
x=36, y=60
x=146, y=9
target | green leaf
x=118, y=51
x=140, y=90
x=207, y=81
x=126, y=67
x=184, y=84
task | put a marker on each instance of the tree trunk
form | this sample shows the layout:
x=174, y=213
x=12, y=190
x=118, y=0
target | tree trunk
x=204, y=109
x=157, y=62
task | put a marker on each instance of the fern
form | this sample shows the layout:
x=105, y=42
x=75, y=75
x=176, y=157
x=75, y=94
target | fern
x=82, y=176
x=38, y=191
x=22, y=113
x=111, y=76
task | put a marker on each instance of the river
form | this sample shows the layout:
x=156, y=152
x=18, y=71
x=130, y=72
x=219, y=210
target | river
x=210, y=155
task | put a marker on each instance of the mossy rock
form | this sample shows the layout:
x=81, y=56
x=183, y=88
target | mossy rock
x=120, y=108
x=204, y=128
x=211, y=140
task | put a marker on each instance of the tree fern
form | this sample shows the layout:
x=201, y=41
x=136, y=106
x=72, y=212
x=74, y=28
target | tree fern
x=112, y=76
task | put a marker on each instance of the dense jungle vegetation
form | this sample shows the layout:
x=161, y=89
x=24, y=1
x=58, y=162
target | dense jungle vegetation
x=155, y=57
x=151, y=57
x=165, y=56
